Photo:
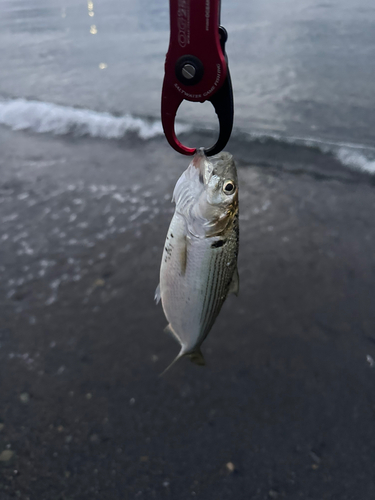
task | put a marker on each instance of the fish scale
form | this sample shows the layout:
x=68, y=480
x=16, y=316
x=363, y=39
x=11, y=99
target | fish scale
x=222, y=273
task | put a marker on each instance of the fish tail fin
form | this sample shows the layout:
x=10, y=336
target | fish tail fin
x=197, y=358
x=169, y=329
x=179, y=355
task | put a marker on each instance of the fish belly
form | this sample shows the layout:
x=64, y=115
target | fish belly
x=194, y=281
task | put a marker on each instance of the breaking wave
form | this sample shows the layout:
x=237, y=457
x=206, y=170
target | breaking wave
x=22, y=114
x=354, y=156
x=354, y=159
x=43, y=117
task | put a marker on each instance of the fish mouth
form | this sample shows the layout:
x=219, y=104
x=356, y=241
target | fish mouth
x=219, y=164
x=203, y=166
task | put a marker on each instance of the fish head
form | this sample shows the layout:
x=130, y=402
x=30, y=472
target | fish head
x=207, y=193
x=218, y=202
x=221, y=181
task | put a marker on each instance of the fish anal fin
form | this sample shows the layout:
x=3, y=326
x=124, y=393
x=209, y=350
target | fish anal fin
x=169, y=329
x=197, y=358
x=157, y=294
x=234, y=286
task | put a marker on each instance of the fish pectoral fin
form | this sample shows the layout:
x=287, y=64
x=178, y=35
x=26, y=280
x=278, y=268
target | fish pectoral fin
x=183, y=255
x=197, y=358
x=157, y=294
x=234, y=286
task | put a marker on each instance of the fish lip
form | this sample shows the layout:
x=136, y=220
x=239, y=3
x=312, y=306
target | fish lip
x=202, y=165
x=199, y=155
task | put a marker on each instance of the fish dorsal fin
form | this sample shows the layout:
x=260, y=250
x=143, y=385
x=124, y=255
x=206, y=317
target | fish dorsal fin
x=234, y=286
x=157, y=294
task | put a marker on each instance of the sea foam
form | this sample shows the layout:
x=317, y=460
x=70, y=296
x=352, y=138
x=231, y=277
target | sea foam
x=351, y=155
x=45, y=117
x=22, y=114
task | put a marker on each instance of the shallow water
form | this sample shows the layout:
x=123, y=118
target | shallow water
x=286, y=403
x=300, y=69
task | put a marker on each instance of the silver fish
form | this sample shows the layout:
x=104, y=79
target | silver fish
x=199, y=263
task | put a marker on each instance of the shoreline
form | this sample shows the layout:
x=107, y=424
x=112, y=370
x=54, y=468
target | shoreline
x=287, y=397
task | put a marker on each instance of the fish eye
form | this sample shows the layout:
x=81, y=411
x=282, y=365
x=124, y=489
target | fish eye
x=229, y=187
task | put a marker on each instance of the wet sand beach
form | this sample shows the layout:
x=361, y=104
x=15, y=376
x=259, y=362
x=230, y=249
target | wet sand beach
x=285, y=406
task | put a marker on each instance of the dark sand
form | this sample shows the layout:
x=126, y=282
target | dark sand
x=286, y=405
